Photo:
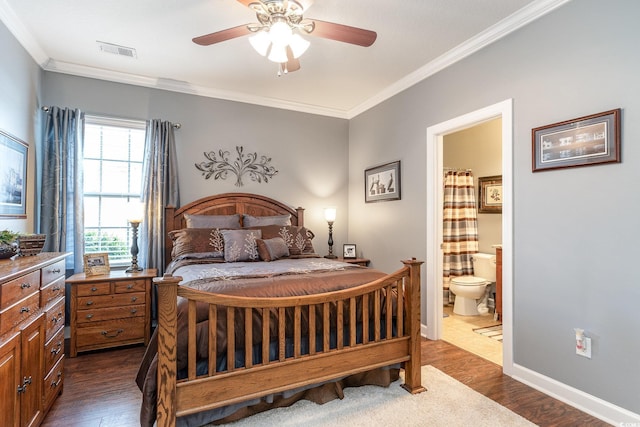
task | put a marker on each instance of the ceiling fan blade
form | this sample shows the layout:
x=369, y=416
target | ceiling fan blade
x=220, y=36
x=343, y=33
x=293, y=64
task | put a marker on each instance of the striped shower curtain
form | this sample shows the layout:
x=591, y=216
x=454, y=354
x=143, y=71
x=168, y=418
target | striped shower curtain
x=460, y=228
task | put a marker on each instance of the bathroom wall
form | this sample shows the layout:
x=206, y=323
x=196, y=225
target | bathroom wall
x=479, y=148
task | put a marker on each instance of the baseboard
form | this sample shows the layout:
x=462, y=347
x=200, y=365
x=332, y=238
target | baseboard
x=585, y=402
x=423, y=330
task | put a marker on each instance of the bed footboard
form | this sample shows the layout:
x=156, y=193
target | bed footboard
x=302, y=340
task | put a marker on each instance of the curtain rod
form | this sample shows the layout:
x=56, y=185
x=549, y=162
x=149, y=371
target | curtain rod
x=457, y=169
x=175, y=125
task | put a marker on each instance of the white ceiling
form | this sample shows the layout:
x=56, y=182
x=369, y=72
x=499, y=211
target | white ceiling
x=416, y=38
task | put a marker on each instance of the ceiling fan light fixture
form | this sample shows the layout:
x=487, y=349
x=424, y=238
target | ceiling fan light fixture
x=260, y=42
x=298, y=45
x=280, y=33
x=278, y=53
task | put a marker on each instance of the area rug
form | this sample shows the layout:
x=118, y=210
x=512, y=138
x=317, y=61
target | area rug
x=494, y=332
x=446, y=402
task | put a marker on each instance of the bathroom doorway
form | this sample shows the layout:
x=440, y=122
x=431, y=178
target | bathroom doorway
x=434, y=268
x=472, y=155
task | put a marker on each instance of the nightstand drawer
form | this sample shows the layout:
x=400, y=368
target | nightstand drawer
x=53, y=350
x=16, y=289
x=18, y=312
x=130, y=286
x=111, y=332
x=110, y=313
x=115, y=300
x=97, y=288
x=54, y=318
x=51, y=292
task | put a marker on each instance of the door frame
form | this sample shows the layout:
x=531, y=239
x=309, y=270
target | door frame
x=435, y=190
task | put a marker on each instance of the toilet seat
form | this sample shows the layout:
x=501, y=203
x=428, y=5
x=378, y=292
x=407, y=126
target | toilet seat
x=469, y=280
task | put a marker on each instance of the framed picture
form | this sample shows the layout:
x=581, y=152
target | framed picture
x=583, y=141
x=95, y=264
x=349, y=251
x=382, y=183
x=13, y=176
x=490, y=194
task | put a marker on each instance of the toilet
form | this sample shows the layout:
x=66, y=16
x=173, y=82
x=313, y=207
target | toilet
x=468, y=289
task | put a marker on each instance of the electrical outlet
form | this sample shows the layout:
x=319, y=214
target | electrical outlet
x=585, y=350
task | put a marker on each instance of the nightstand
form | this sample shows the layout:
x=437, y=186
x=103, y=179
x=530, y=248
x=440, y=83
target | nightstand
x=110, y=310
x=360, y=261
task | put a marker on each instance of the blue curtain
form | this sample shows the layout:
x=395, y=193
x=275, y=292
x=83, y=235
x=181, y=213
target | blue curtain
x=159, y=190
x=59, y=184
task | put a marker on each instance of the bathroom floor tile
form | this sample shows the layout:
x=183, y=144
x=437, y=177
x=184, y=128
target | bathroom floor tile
x=458, y=330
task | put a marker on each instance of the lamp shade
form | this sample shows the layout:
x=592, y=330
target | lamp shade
x=330, y=214
x=260, y=42
x=278, y=53
x=134, y=211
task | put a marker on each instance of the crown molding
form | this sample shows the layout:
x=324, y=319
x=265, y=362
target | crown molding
x=515, y=21
x=508, y=25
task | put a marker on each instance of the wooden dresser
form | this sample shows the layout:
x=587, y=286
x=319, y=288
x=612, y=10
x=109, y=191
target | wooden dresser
x=31, y=337
x=110, y=310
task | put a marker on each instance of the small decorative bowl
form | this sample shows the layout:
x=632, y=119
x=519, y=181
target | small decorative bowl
x=8, y=250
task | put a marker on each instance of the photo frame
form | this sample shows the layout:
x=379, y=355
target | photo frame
x=382, y=183
x=584, y=141
x=96, y=263
x=490, y=194
x=13, y=176
x=349, y=251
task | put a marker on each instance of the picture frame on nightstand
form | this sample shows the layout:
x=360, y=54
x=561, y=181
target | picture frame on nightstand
x=349, y=251
x=96, y=263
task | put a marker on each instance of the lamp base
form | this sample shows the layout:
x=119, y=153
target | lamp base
x=133, y=270
x=331, y=256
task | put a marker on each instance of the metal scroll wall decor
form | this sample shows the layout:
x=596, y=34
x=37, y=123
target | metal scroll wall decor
x=220, y=166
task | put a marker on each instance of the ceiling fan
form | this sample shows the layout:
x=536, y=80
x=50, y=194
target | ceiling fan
x=276, y=35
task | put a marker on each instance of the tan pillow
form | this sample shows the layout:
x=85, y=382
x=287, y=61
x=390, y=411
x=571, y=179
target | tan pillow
x=240, y=245
x=272, y=249
x=212, y=221
x=259, y=221
x=297, y=239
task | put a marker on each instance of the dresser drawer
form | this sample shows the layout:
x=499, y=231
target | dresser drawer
x=116, y=300
x=51, y=292
x=52, y=272
x=18, y=312
x=54, y=318
x=17, y=289
x=97, y=288
x=109, y=333
x=53, y=350
x=110, y=313
x=53, y=383
x=130, y=286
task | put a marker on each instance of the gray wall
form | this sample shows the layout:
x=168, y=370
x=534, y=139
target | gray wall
x=20, y=79
x=309, y=151
x=575, y=233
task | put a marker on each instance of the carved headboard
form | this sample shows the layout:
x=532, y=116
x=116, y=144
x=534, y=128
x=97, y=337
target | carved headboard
x=227, y=204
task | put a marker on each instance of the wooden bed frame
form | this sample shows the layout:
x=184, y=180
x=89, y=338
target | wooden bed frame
x=216, y=389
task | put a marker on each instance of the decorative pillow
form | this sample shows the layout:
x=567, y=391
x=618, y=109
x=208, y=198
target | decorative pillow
x=212, y=221
x=258, y=221
x=240, y=245
x=272, y=249
x=298, y=239
x=197, y=240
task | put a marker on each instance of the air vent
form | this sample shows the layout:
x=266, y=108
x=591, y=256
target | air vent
x=117, y=50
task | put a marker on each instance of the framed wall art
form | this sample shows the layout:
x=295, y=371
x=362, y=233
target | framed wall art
x=382, y=183
x=13, y=176
x=584, y=141
x=349, y=251
x=96, y=263
x=490, y=194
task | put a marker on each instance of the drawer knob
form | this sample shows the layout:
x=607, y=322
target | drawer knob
x=55, y=384
x=89, y=316
x=55, y=289
x=25, y=285
x=112, y=334
x=89, y=302
x=55, y=271
x=134, y=311
x=130, y=286
x=24, y=310
x=94, y=289
x=57, y=350
x=134, y=299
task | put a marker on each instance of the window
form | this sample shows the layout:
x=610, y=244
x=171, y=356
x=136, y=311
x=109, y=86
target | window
x=113, y=155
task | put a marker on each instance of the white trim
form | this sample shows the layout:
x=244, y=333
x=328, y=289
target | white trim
x=434, y=166
x=585, y=402
x=513, y=22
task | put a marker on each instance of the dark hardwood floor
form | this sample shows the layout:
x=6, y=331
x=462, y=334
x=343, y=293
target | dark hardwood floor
x=100, y=391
